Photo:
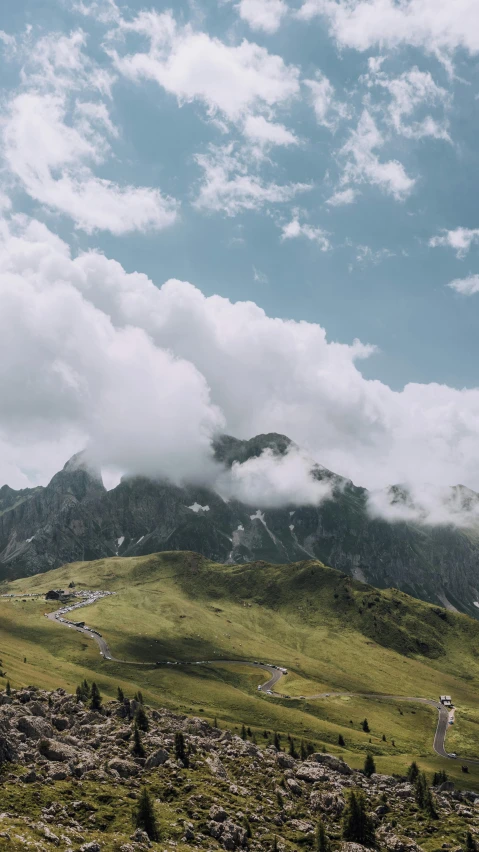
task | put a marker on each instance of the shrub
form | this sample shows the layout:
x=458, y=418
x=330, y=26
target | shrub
x=369, y=766
x=365, y=726
x=138, y=748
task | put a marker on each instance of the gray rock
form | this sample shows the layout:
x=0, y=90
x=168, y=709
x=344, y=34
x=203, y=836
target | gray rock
x=157, y=758
x=34, y=727
x=125, y=768
x=334, y=763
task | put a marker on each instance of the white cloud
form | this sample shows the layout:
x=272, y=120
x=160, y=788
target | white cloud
x=146, y=375
x=270, y=481
x=426, y=504
x=434, y=25
x=328, y=109
x=295, y=229
x=409, y=91
x=233, y=80
x=265, y=15
x=229, y=186
x=258, y=129
x=466, y=286
x=53, y=160
x=459, y=239
x=343, y=196
x=364, y=164
x=59, y=62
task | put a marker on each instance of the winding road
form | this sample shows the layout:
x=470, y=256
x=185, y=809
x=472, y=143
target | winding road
x=275, y=674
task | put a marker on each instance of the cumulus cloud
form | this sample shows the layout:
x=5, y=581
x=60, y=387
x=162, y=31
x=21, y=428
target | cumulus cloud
x=363, y=163
x=231, y=80
x=265, y=15
x=53, y=160
x=434, y=25
x=53, y=142
x=146, y=375
x=459, y=239
x=271, y=481
x=265, y=132
x=229, y=186
x=328, y=109
x=410, y=91
x=466, y=286
x=295, y=229
x=342, y=196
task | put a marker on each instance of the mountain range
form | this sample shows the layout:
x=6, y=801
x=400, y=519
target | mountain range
x=75, y=518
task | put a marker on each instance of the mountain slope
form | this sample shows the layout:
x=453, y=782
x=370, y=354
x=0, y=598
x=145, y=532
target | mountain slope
x=74, y=518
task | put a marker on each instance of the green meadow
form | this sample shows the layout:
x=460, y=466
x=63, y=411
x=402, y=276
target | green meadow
x=331, y=632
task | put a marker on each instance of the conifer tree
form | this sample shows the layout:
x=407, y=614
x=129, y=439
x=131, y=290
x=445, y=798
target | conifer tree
x=471, y=845
x=144, y=817
x=96, y=699
x=321, y=843
x=292, y=749
x=138, y=748
x=413, y=772
x=341, y=740
x=180, y=750
x=369, y=766
x=275, y=844
x=302, y=750
x=243, y=732
x=120, y=695
x=8, y=689
x=365, y=726
x=277, y=741
x=357, y=825
x=142, y=719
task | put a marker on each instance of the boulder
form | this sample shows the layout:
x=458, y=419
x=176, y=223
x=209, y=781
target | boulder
x=59, y=752
x=34, y=727
x=125, y=768
x=334, y=763
x=311, y=772
x=157, y=758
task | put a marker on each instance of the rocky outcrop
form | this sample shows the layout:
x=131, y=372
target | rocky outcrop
x=75, y=518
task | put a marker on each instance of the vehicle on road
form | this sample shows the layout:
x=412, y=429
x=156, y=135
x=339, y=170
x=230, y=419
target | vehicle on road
x=452, y=754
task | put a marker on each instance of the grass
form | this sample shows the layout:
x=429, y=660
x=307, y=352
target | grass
x=332, y=633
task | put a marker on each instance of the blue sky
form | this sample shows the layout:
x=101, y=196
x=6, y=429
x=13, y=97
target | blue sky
x=318, y=158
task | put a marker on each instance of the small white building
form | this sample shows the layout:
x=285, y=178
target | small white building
x=446, y=700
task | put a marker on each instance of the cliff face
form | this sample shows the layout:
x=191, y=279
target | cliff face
x=75, y=518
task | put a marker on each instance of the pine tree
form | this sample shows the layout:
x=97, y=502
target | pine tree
x=249, y=731
x=275, y=844
x=302, y=750
x=369, y=766
x=138, y=697
x=180, y=750
x=96, y=699
x=341, y=740
x=292, y=749
x=144, y=817
x=384, y=738
x=365, y=726
x=120, y=695
x=357, y=825
x=138, y=748
x=142, y=719
x=413, y=772
x=321, y=843
x=471, y=845
x=243, y=732
x=215, y=722
x=8, y=689
x=277, y=741
x=247, y=826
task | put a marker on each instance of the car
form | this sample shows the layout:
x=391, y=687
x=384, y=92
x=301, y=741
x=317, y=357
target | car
x=452, y=754
x=259, y=687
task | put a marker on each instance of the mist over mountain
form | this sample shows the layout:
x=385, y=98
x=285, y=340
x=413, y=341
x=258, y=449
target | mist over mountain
x=250, y=515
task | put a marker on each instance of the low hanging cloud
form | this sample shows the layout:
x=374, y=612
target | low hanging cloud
x=271, y=481
x=146, y=376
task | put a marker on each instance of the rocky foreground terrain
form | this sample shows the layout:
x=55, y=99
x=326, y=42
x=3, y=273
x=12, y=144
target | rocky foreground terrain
x=69, y=780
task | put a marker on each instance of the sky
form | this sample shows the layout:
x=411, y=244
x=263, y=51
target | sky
x=240, y=216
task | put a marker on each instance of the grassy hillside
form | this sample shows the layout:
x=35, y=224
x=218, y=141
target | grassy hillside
x=332, y=633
